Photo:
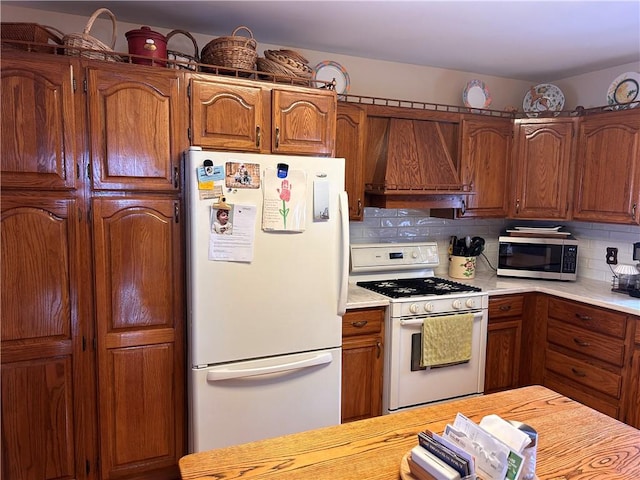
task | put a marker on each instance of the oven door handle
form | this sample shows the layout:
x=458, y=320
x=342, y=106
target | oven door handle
x=419, y=321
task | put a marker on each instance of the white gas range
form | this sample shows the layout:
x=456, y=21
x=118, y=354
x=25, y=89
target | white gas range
x=404, y=272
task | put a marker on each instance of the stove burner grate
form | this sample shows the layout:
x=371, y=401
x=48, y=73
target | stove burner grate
x=412, y=287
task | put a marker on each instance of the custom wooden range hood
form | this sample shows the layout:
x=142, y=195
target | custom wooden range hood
x=413, y=163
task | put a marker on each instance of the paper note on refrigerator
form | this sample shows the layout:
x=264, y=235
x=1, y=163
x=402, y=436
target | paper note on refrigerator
x=235, y=242
x=285, y=200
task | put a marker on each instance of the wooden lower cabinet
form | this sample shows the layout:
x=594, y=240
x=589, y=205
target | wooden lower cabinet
x=632, y=390
x=503, y=343
x=362, y=363
x=587, y=353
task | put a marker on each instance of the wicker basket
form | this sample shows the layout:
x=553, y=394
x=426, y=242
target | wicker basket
x=183, y=60
x=279, y=73
x=32, y=33
x=231, y=52
x=83, y=44
x=290, y=61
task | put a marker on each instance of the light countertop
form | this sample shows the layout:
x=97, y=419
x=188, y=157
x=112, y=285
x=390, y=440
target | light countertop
x=589, y=291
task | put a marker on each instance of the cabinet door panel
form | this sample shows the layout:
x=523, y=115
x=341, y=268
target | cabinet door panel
x=37, y=419
x=608, y=171
x=136, y=251
x=303, y=124
x=350, y=142
x=503, y=351
x=137, y=411
x=485, y=153
x=139, y=277
x=43, y=389
x=542, y=169
x=134, y=120
x=38, y=127
x=228, y=117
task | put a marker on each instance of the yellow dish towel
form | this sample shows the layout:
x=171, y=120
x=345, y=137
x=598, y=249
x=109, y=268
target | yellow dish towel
x=446, y=340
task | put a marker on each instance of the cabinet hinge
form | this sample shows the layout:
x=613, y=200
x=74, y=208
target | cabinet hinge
x=188, y=90
x=74, y=85
x=189, y=134
x=89, y=170
x=176, y=212
x=85, y=87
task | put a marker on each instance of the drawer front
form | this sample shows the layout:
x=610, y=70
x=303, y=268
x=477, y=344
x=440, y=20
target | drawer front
x=582, y=372
x=362, y=321
x=591, y=318
x=558, y=384
x=584, y=341
x=507, y=306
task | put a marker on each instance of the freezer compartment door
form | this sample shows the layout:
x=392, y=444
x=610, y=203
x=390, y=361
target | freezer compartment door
x=252, y=400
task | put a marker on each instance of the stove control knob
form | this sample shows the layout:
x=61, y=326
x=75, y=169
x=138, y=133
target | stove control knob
x=428, y=307
x=457, y=304
x=470, y=303
x=414, y=308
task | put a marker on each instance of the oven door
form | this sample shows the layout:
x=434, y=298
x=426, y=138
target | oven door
x=408, y=385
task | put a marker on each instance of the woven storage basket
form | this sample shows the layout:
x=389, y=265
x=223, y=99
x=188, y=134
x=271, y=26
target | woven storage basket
x=234, y=51
x=290, y=61
x=79, y=44
x=183, y=60
x=279, y=72
x=32, y=33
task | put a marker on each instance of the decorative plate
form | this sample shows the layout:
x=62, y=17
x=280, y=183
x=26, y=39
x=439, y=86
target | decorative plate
x=543, y=98
x=624, y=89
x=476, y=95
x=329, y=70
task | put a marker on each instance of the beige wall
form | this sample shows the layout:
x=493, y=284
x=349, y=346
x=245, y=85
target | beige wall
x=368, y=77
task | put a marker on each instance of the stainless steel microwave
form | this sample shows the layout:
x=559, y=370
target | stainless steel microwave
x=537, y=257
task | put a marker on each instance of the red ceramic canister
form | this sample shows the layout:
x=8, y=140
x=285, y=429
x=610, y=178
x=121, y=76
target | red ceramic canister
x=148, y=43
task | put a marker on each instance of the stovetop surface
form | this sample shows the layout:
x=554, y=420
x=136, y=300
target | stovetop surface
x=412, y=287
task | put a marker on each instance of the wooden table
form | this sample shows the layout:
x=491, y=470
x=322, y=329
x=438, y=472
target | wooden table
x=574, y=442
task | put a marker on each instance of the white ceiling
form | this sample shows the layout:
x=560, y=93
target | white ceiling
x=520, y=39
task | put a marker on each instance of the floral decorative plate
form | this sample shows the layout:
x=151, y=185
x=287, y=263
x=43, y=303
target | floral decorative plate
x=624, y=89
x=329, y=70
x=476, y=95
x=543, y=98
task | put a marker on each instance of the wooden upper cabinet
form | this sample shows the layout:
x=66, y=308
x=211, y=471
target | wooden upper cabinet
x=38, y=122
x=228, y=117
x=135, y=121
x=485, y=161
x=139, y=310
x=304, y=124
x=350, y=144
x=257, y=118
x=44, y=390
x=542, y=169
x=608, y=168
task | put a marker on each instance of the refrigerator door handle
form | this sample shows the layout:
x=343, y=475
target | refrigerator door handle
x=343, y=202
x=225, y=373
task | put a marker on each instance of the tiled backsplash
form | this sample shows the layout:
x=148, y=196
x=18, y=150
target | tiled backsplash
x=406, y=225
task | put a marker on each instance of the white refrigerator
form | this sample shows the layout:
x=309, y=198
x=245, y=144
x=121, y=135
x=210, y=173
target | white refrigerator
x=267, y=274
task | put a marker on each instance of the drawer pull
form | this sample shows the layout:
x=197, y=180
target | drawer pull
x=581, y=343
x=578, y=373
x=359, y=324
x=585, y=318
x=505, y=308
